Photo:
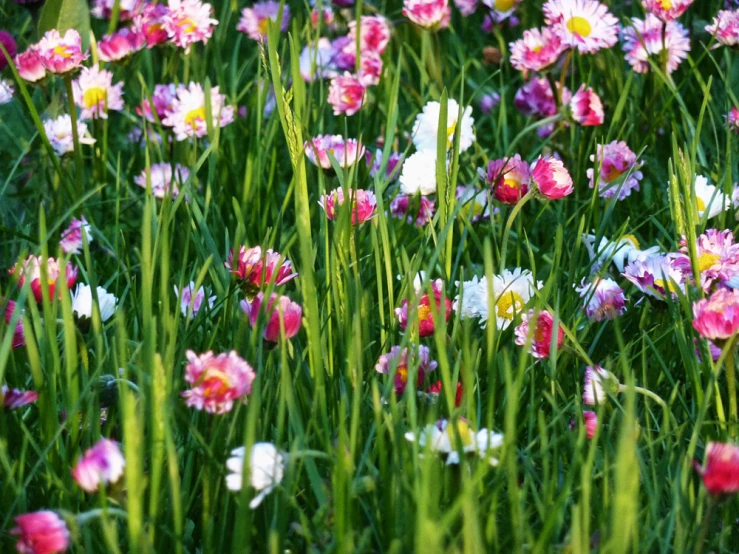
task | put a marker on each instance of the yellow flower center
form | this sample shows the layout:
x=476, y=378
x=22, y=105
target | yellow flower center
x=633, y=240
x=449, y=133
x=187, y=25
x=504, y=5
x=214, y=382
x=579, y=26
x=93, y=97
x=63, y=51
x=262, y=26
x=537, y=49
x=701, y=204
x=707, y=260
x=403, y=374
x=424, y=312
x=508, y=304
x=465, y=433
x=666, y=4
x=472, y=209
x=669, y=286
x=193, y=116
x=511, y=183
x=155, y=27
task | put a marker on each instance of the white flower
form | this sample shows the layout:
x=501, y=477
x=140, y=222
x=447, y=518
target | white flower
x=426, y=127
x=59, y=133
x=441, y=438
x=82, y=302
x=417, y=282
x=624, y=250
x=597, y=380
x=512, y=290
x=474, y=295
x=189, y=296
x=266, y=465
x=6, y=91
x=419, y=174
x=708, y=197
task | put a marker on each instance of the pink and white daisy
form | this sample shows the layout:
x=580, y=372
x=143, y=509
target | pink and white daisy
x=551, y=178
x=604, y=299
x=19, y=337
x=217, y=381
x=277, y=307
x=591, y=423
x=429, y=14
x=643, y=40
x=119, y=45
x=103, y=464
x=424, y=311
x=188, y=115
x=59, y=133
x=161, y=103
x=96, y=94
x=656, y=275
x=394, y=164
x=41, y=532
x=163, y=180
x=598, y=382
x=31, y=269
x=150, y=24
x=583, y=24
x=666, y=10
x=255, y=20
x=370, y=68
x=732, y=119
x=619, y=170
x=256, y=269
x=500, y=10
x=540, y=337
x=538, y=50
x=717, y=318
x=103, y=9
x=718, y=257
x=61, y=54
x=345, y=151
x=346, y=94
x=190, y=298
x=71, y=242
x=414, y=209
x=725, y=27
x=30, y=66
x=374, y=33
x=363, y=204
x=586, y=107
x=401, y=360
x=12, y=399
x=188, y=22
x=508, y=178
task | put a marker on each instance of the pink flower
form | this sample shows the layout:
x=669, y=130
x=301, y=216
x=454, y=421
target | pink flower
x=718, y=257
x=717, y=318
x=537, y=50
x=394, y=164
x=71, y=242
x=721, y=473
x=188, y=22
x=255, y=20
x=374, y=33
x=423, y=208
x=591, y=423
x=488, y=102
x=619, y=170
x=103, y=9
x=429, y=14
x=291, y=313
x=160, y=102
x=61, y=54
x=509, y=179
x=31, y=269
x=541, y=335
x=363, y=204
x=164, y=179
x=256, y=269
x=725, y=28
x=551, y=178
x=345, y=151
x=346, y=94
x=96, y=94
x=536, y=98
x=328, y=18
x=401, y=360
x=19, y=338
x=103, y=464
x=732, y=119
x=643, y=41
x=586, y=107
x=656, y=275
x=150, y=24
x=191, y=297
x=370, y=68
x=604, y=299
x=436, y=388
x=666, y=10
x=216, y=381
x=466, y=7
x=30, y=66
x=41, y=532
x=119, y=45
x=583, y=24
x=8, y=42
x=13, y=398
x=597, y=381
x=424, y=310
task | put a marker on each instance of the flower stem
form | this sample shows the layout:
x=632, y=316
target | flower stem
x=98, y=512
x=731, y=386
x=75, y=134
x=705, y=524
x=511, y=218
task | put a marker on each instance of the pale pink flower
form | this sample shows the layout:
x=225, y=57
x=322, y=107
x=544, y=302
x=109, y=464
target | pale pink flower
x=160, y=102
x=217, y=381
x=71, y=242
x=591, y=423
x=12, y=399
x=257, y=269
x=119, y=45
x=345, y=151
x=193, y=299
x=19, y=337
x=103, y=464
x=150, y=24
x=61, y=54
x=400, y=360
x=551, y=178
x=41, y=532
x=489, y=101
x=370, y=68
x=188, y=22
x=163, y=180
x=619, y=170
x=429, y=14
x=30, y=66
x=540, y=336
x=103, y=9
x=188, y=114
x=583, y=24
x=277, y=305
x=59, y=133
x=346, y=94
x=466, y=7
x=255, y=19
x=721, y=472
x=374, y=33
x=586, y=107
x=31, y=269
x=666, y=10
x=363, y=204
x=643, y=40
x=508, y=178
x=725, y=27
x=414, y=209
x=537, y=50
x=604, y=299
x=656, y=275
x=96, y=94
x=717, y=318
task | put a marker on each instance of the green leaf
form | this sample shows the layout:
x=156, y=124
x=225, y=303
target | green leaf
x=66, y=14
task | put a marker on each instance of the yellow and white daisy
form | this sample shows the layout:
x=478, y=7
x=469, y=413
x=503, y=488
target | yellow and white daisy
x=96, y=94
x=583, y=24
x=188, y=115
x=513, y=290
x=426, y=127
x=709, y=198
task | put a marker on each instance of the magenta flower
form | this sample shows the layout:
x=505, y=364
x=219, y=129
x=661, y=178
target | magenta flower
x=71, y=242
x=31, y=269
x=374, y=33
x=421, y=214
x=666, y=10
x=591, y=423
x=150, y=24
x=188, y=22
x=551, y=178
x=19, y=338
x=41, y=532
x=656, y=275
x=394, y=164
x=535, y=98
x=725, y=28
x=217, y=381
x=8, y=42
x=429, y=14
x=191, y=297
x=718, y=257
x=255, y=269
x=619, y=170
x=363, y=204
x=508, y=178
x=61, y=54
x=538, y=50
x=13, y=399
x=540, y=335
x=424, y=310
x=586, y=107
x=721, y=472
x=103, y=464
x=255, y=20
x=732, y=119
x=30, y=66
x=643, y=41
x=717, y=318
x=160, y=102
x=291, y=312
x=119, y=45
x=346, y=94
x=604, y=299
x=402, y=359
x=346, y=150
x=370, y=68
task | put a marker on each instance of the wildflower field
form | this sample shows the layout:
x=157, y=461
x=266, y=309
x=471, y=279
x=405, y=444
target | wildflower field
x=369, y=276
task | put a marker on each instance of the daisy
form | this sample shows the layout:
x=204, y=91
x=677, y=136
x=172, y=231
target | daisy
x=586, y=107
x=718, y=257
x=500, y=10
x=103, y=464
x=709, y=199
x=6, y=91
x=217, y=381
x=95, y=93
x=512, y=291
x=346, y=94
x=583, y=24
x=618, y=170
x=598, y=381
x=475, y=205
x=255, y=20
x=12, y=399
x=539, y=338
x=150, y=24
x=163, y=180
x=399, y=360
x=536, y=98
x=443, y=437
x=725, y=28
x=32, y=267
x=508, y=178
x=551, y=179
x=419, y=174
x=370, y=68
x=11, y=47
x=71, y=242
x=346, y=152
x=717, y=318
x=624, y=250
x=374, y=33
x=59, y=133
x=160, y=103
x=103, y=9
x=317, y=61
x=277, y=308
x=472, y=300
x=413, y=209
x=666, y=10
x=394, y=164
x=30, y=66
x=591, y=423
x=656, y=275
x=426, y=128
x=429, y=14
x=82, y=303
x=538, y=50
x=424, y=310
x=604, y=299
x=466, y=7
x=721, y=472
x=363, y=204
x=119, y=45
x=19, y=337
x=255, y=269
x=188, y=22
x=193, y=299
x=61, y=54
x=732, y=119
x=644, y=40
x=188, y=115
x=43, y=532
x=266, y=470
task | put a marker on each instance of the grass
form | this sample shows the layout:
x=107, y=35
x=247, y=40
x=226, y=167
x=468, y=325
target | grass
x=353, y=483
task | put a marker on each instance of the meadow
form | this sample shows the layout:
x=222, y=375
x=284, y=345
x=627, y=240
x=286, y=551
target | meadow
x=369, y=276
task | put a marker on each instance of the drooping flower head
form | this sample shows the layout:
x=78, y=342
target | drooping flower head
x=374, y=33
x=586, y=107
x=31, y=269
x=666, y=10
x=346, y=94
x=583, y=24
x=163, y=179
x=363, y=204
x=256, y=269
x=71, y=242
x=291, y=312
x=540, y=336
x=551, y=178
x=346, y=151
x=591, y=423
x=119, y=45
x=604, y=299
x=41, y=532
x=721, y=471
x=426, y=127
x=598, y=382
x=103, y=464
x=266, y=470
x=717, y=317
x=725, y=28
x=82, y=302
x=188, y=115
x=191, y=298
x=217, y=381
x=403, y=360
x=103, y=9
x=538, y=50
x=188, y=22
x=414, y=209
x=444, y=436
x=255, y=19
x=425, y=312
x=30, y=66
x=508, y=178
x=96, y=94
x=61, y=54
x=618, y=170
x=643, y=40
x=622, y=251
x=150, y=24
x=429, y=14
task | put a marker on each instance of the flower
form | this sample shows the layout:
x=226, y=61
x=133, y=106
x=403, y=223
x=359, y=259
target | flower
x=502, y=9
x=466, y=7
x=597, y=380
x=618, y=170
x=317, y=61
x=721, y=473
x=536, y=98
x=19, y=338
x=188, y=22
x=160, y=103
x=403, y=359
x=717, y=257
x=717, y=317
x=424, y=310
x=394, y=164
x=150, y=24
x=102, y=464
x=419, y=173
x=346, y=94
x=95, y=93
x=551, y=178
x=216, y=381
x=103, y=9
x=472, y=300
x=591, y=423
x=666, y=10
x=41, y=532
x=346, y=151
x=6, y=91
x=709, y=199
x=82, y=302
x=8, y=42
x=725, y=28
x=429, y=14
x=488, y=102
x=163, y=180
x=435, y=390
x=30, y=66
x=61, y=54
x=604, y=299
x=583, y=24
x=119, y=45
x=443, y=437
x=656, y=275
x=59, y=133
x=31, y=269
x=586, y=107
x=537, y=50
x=512, y=290
x=540, y=336
x=423, y=208
x=508, y=178
x=475, y=205
x=644, y=39
x=256, y=269
x=12, y=399
x=426, y=126
x=625, y=249
x=374, y=33
x=328, y=18
x=266, y=470
x=191, y=298
x=732, y=119
x=363, y=204
x=188, y=114
x=255, y=20
x=370, y=68
x=277, y=306
x=71, y=242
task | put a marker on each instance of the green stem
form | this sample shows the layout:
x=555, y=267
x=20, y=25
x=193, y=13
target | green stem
x=75, y=134
x=511, y=218
x=98, y=512
x=705, y=524
x=731, y=386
